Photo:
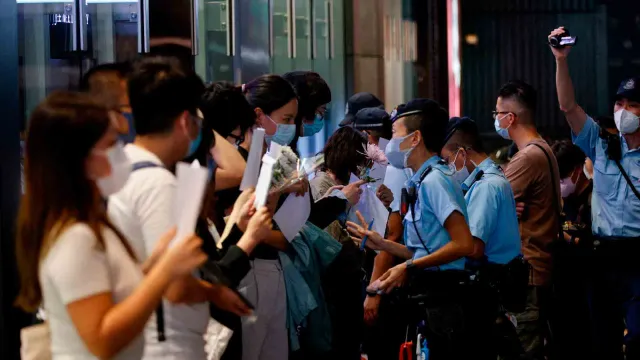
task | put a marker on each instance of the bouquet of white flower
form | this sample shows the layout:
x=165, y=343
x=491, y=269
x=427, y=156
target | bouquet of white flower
x=288, y=169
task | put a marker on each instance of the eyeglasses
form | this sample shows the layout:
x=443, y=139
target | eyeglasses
x=239, y=139
x=495, y=114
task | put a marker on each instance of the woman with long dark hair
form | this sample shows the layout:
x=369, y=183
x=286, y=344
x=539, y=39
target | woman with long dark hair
x=228, y=116
x=275, y=105
x=72, y=261
x=313, y=96
x=343, y=153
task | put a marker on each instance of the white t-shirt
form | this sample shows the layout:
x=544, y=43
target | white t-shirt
x=75, y=268
x=143, y=210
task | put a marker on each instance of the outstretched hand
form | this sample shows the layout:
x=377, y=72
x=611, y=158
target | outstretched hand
x=358, y=232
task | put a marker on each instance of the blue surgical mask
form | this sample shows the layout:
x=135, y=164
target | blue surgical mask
x=128, y=138
x=504, y=132
x=194, y=144
x=396, y=157
x=284, y=134
x=312, y=129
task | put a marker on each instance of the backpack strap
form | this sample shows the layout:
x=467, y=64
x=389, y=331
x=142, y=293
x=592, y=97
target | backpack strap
x=144, y=165
x=554, y=181
x=160, y=310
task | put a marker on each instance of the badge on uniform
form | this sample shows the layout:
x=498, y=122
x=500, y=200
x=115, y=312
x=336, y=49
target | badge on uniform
x=630, y=85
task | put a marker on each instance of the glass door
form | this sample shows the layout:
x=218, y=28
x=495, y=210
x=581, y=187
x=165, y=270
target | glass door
x=217, y=40
x=302, y=35
x=281, y=46
x=59, y=40
x=49, y=48
x=113, y=30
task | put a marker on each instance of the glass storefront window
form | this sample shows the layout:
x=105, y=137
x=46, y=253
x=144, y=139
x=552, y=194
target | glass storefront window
x=60, y=40
x=322, y=32
x=281, y=29
x=216, y=26
x=302, y=31
x=48, y=50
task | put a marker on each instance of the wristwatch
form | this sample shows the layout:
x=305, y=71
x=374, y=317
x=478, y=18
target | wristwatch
x=372, y=293
x=410, y=266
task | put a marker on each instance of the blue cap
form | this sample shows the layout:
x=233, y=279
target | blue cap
x=457, y=123
x=629, y=89
x=427, y=107
x=370, y=118
x=358, y=102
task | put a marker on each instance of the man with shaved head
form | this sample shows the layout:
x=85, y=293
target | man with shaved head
x=534, y=176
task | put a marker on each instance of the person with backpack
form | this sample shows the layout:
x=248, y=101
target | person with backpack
x=165, y=98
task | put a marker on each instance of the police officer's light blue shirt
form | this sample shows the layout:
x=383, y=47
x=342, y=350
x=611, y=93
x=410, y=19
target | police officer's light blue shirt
x=438, y=196
x=492, y=212
x=615, y=209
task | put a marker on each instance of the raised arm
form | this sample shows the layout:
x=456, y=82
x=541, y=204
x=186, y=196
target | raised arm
x=576, y=117
x=230, y=164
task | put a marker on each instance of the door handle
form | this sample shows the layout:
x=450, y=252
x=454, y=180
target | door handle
x=194, y=27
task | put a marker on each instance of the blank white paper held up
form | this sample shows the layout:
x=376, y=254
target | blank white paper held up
x=293, y=214
x=192, y=181
x=266, y=173
x=250, y=177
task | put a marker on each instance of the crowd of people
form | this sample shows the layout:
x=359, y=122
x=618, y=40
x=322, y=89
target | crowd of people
x=532, y=259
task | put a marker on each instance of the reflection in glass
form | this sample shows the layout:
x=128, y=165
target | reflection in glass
x=54, y=52
x=281, y=46
x=115, y=32
x=302, y=31
x=215, y=63
x=48, y=55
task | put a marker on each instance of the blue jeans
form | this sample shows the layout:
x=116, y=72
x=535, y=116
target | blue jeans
x=614, y=301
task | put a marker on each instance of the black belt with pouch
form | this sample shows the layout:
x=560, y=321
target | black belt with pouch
x=510, y=281
x=616, y=251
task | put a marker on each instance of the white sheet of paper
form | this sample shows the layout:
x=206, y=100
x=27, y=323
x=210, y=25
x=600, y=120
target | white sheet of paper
x=251, y=172
x=264, y=181
x=192, y=180
x=353, y=178
x=395, y=180
x=378, y=172
x=377, y=211
x=293, y=214
x=370, y=207
x=274, y=150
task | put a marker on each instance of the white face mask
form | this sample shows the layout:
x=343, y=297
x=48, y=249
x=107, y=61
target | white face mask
x=626, y=121
x=567, y=187
x=120, y=170
x=586, y=172
x=396, y=157
x=459, y=175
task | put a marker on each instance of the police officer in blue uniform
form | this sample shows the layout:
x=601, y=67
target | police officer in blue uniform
x=490, y=202
x=615, y=278
x=436, y=235
x=493, y=222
